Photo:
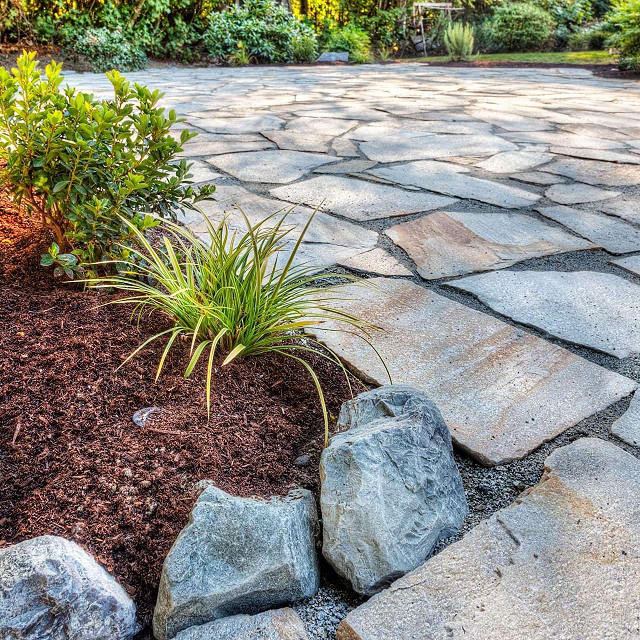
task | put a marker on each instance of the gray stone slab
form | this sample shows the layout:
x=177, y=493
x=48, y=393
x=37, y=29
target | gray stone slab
x=334, y=56
x=376, y=261
x=632, y=264
x=514, y=161
x=578, y=193
x=614, y=235
x=296, y=141
x=242, y=124
x=453, y=180
x=627, y=427
x=538, y=177
x=347, y=166
x=597, y=310
x=563, y=139
x=501, y=390
x=275, y=166
x=598, y=154
x=510, y=121
x=595, y=172
x=560, y=563
x=209, y=144
x=320, y=126
x=625, y=208
x=445, y=244
x=359, y=199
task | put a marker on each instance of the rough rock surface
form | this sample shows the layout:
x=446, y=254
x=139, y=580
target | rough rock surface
x=598, y=310
x=627, y=427
x=390, y=487
x=51, y=589
x=278, y=624
x=631, y=264
x=238, y=555
x=501, y=390
x=561, y=562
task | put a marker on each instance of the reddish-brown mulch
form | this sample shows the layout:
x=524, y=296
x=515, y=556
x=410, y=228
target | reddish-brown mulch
x=73, y=463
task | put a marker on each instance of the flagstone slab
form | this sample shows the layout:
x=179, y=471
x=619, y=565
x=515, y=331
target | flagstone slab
x=595, y=172
x=598, y=154
x=612, y=234
x=359, y=199
x=538, y=177
x=377, y=261
x=514, y=161
x=453, y=180
x=597, y=310
x=275, y=166
x=501, y=390
x=209, y=144
x=578, y=193
x=452, y=243
x=296, y=141
x=320, y=126
x=627, y=427
x=631, y=264
x=561, y=562
x=347, y=166
x=625, y=208
x=243, y=124
x=563, y=139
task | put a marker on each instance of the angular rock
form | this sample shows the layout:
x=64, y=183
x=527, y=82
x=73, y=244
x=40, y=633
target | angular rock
x=390, y=487
x=279, y=624
x=595, y=172
x=297, y=141
x=627, y=428
x=577, y=193
x=269, y=166
x=631, y=264
x=597, y=310
x=451, y=180
x=454, y=243
x=561, y=562
x=237, y=555
x=334, y=56
x=625, y=208
x=612, y=234
x=501, y=391
x=359, y=199
x=514, y=161
x=376, y=261
x=51, y=589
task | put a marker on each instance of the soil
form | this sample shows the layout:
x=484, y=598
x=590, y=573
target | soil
x=72, y=461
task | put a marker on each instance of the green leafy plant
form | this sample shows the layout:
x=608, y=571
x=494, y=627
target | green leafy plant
x=91, y=170
x=351, y=39
x=108, y=49
x=593, y=37
x=625, y=19
x=266, y=28
x=522, y=26
x=230, y=295
x=458, y=40
x=240, y=57
x=304, y=49
x=65, y=263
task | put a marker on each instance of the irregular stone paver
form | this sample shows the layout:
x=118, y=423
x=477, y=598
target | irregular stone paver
x=295, y=141
x=454, y=243
x=514, y=161
x=269, y=166
x=597, y=154
x=359, y=199
x=209, y=144
x=577, y=193
x=625, y=208
x=598, y=310
x=561, y=562
x=538, y=177
x=242, y=124
x=376, y=261
x=320, y=126
x=347, y=166
x=502, y=391
x=632, y=264
x=612, y=234
x=627, y=428
x=452, y=180
x=566, y=140
x=595, y=172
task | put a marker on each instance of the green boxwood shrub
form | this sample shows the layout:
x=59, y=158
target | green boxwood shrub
x=266, y=30
x=108, y=49
x=522, y=26
x=352, y=39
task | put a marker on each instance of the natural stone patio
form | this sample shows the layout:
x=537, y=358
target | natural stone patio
x=439, y=173
x=423, y=174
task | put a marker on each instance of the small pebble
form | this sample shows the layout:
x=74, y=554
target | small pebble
x=302, y=461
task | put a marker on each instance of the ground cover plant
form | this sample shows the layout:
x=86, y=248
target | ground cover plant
x=90, y=170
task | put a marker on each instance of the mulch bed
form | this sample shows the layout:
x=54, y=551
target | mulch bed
x=72, y=461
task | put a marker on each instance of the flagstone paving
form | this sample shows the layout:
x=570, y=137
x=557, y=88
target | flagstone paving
x=632, y=264
x=627, y=427
x=438, y=172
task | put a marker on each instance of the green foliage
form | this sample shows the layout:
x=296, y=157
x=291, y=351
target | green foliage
x=108, y=49
x=568, y=13
x=522, y=26
x=265, y=28
x=351, y=39
x=66, y=263
x=231, y=295
x=389, y=27
x=593, y=37
x=625, y=19
x=485, y=36
x=458, y=40
x=91, y=170
x=304, y=49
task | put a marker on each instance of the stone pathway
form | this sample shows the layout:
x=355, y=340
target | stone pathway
x=423, y=174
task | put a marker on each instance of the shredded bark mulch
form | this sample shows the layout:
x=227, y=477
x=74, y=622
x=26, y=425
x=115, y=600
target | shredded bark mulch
x=72, y=461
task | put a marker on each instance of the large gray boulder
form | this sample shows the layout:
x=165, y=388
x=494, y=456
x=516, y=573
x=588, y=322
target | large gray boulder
x=280, y=624
x=238, y=555
x=51, y=589
x=390, y=487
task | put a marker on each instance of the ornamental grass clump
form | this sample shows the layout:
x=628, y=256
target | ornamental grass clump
x=232, y=295
x=459, y=40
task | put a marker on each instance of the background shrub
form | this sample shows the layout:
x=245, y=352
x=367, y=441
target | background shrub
x=522, y=26
x=304, y=49
x=352, y=39
x=458, y=40
x=625, y=20
x=266, y=29
x=591, y=37
x=108, y=49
